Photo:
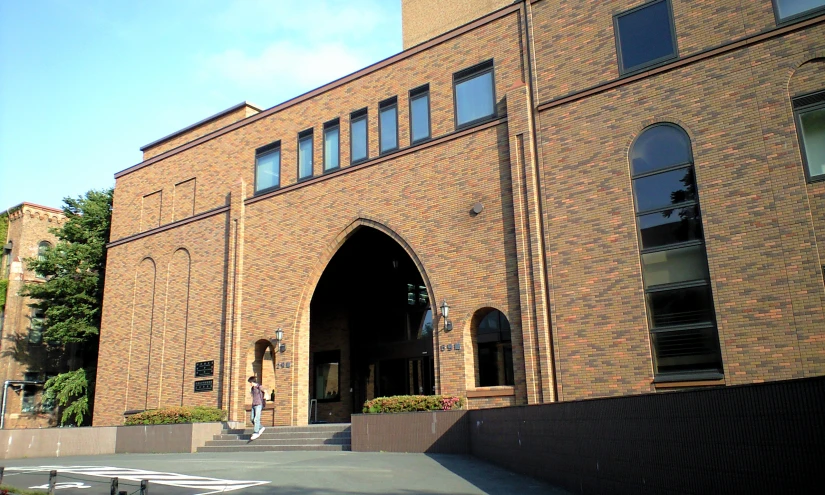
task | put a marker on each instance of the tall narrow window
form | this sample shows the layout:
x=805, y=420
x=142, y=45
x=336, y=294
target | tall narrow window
x=358, y=136
x=810, y=127
x=495, y=350
x=327, y=377
x=28, y=403
x=420, y=114
x=388, y=125
x=331, y=145
x=475, y=96
x=36, y=327
x=7, y=249
x=645, y=35
x=787, y=10
x=674, y=262
x=42, y=249
x=305, y=154
x=268, y=167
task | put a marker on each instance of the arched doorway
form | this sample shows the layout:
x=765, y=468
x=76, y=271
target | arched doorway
x=260, y=363
x=370, y=328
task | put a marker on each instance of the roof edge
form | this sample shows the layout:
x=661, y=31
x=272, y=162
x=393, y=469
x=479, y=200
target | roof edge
x=409, y=52
x=34, y=205
x=201, y=122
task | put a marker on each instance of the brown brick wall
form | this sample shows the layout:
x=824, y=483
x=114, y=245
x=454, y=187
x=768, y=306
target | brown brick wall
x=425, y=19
x=201, y=130
x=28, y=226
x=761, y=247
x=164, y=299
x=575, y=45
x=554, y=248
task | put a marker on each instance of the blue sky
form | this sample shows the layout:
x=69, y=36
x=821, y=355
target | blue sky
x=85, y=83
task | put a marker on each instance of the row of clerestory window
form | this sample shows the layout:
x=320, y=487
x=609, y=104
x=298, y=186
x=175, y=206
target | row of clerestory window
x=474, y=103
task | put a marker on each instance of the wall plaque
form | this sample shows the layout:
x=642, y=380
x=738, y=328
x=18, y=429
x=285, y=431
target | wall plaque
x=203, y=385
x=205, y=368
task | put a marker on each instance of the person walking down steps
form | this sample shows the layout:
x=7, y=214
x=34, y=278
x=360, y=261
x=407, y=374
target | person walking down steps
x=258, y=402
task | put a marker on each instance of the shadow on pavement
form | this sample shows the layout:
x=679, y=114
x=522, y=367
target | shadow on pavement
x=492, y=479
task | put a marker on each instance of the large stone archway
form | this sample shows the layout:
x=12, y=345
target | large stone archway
x=369, y=331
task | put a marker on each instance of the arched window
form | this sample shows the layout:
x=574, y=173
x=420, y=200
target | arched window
x=494, y=350
x=674, y=262
x=42, y=249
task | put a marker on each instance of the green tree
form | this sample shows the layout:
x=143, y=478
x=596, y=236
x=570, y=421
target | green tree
x=71, y=298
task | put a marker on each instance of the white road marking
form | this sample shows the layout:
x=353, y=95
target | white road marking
x=213, y=485
x=61, y=485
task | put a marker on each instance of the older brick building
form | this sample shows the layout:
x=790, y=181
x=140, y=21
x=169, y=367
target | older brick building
x=613, y=198
x=25, y=359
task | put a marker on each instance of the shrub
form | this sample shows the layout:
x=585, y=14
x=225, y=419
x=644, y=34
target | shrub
x=177, y=415
x=409, y=403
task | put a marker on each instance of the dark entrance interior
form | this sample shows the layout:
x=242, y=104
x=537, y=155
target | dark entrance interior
x=370, y=328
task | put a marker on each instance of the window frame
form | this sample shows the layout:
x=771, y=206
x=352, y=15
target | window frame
x=39, y=314
x=357, y=116
x=674, y=376
x=389, y=103
x=41, y=256
x=415, y=94
x=817, y=104
x=264, y=151
x=464, y=75
x=326, y=357
x=328, y=126
x=795, y=17
x=651, y=63
x=499, y=344
x=307, y=134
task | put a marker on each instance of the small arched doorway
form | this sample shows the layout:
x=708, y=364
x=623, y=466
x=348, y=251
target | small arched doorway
x=260, y=364
x=370, y=328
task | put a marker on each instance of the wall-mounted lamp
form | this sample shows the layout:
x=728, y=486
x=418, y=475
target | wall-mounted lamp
x=276, y=341
x=445, y=312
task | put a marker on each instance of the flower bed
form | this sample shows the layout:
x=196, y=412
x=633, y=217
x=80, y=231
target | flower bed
x=410, y=403
x=177, y=415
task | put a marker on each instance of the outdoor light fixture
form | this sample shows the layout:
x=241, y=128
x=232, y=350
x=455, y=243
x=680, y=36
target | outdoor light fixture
x=276, y=342
x=445, y=311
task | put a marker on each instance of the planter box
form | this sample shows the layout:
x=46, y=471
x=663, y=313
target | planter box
x=441, y=432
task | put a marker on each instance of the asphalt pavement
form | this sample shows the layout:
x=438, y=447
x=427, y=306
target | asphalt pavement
x=284, y=473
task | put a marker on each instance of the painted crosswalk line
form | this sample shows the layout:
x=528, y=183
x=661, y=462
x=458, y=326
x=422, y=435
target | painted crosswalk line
x=211, y=485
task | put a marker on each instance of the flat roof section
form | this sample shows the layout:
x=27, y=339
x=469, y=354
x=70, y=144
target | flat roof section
x=202, y=122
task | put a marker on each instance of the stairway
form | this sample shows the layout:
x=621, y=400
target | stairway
x=334, y=437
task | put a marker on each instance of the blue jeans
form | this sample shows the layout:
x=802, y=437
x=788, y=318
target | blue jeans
x=256, y=417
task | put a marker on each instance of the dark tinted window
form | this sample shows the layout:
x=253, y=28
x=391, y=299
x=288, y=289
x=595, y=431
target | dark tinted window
x=388, y=123
x=474, y=94
x=268, y=170
x=811, y=128
x=660, y=147
x=495, y=351
x=358, y=137
x=786, y=9
x=305, y=155
x=674, y=266
x=675, y=271
x=331, y=141
x=420, y=116
x=661, y=190
x=645, y=36
x=670, y=227
x=680, y=307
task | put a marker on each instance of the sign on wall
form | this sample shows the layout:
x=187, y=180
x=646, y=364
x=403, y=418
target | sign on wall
x=205, y=368
x=203, y=386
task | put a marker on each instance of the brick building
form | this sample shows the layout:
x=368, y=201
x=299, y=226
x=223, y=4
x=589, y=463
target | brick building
x=25, y=359
x=612, y=198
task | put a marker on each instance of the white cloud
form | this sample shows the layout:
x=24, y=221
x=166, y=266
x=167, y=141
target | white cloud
x=285, y=67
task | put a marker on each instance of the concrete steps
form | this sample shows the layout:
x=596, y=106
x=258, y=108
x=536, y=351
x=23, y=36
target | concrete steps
x=327, y=437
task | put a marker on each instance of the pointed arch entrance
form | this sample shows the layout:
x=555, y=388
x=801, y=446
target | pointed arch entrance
x=370, y=327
